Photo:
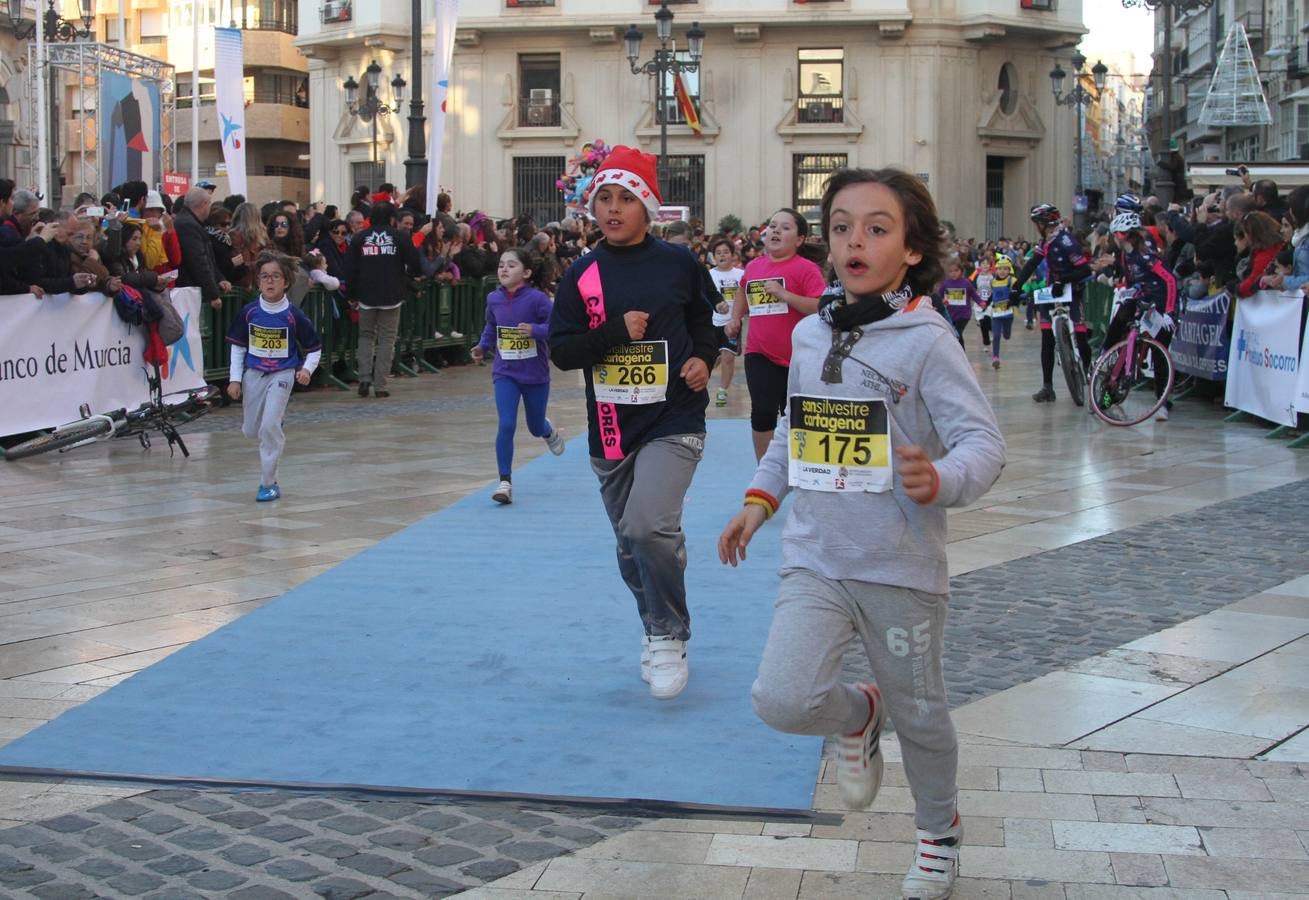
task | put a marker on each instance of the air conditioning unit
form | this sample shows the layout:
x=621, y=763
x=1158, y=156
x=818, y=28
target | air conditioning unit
x=538, y=115
x=820, y=111
x=541, y=96
x=1304, y=151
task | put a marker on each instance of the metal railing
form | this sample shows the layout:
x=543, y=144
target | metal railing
x=820, y=109
x=538, y=113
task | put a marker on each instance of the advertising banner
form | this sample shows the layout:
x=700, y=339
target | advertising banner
x=229, y=97
x=447, y=14
x=1199, y=345
x=1263, y=365
x=64, y=350
x=1302, y=378
x=129, y=131
x=176, y=184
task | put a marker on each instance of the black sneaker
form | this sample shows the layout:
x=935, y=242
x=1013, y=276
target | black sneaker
x=1044, y=395
x=363, y=388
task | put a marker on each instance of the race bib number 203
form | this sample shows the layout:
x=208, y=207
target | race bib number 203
x=839, y=444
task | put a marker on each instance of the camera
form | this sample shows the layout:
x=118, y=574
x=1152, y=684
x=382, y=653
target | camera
x=94, y=212
x=1239, y=172
x=1212, y=209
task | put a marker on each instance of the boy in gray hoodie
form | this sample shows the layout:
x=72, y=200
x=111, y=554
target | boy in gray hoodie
x=886, y=426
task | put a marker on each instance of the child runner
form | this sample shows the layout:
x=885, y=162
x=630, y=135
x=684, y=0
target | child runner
x=780, y=289
x=634, y=316
x=957, y=296
x=727, y=278
x=981, y=279
x=273, y=344
x=1001, y=307
x=517, y=322
x=863, y=549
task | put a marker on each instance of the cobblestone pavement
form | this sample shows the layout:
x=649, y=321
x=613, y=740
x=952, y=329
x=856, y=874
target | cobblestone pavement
x=1009, y=623
x=175, y=844
x=1019, y=620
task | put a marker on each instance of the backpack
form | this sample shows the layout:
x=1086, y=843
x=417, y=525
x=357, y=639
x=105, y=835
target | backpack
x=140, y=307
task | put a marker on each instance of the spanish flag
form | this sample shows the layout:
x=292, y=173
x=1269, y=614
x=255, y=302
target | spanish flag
x=684, y=102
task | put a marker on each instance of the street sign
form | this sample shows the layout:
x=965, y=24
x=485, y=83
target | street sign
x=175, y=184
x=673, y=214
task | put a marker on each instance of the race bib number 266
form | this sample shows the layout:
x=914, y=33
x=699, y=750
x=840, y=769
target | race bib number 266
x=634, y=373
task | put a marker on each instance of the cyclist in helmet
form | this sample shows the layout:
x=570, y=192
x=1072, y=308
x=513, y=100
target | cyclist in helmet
x=1066, y=260
x=1142, y=271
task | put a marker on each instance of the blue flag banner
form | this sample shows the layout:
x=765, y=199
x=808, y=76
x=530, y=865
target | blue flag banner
x=1199, y=346
x=229, y=94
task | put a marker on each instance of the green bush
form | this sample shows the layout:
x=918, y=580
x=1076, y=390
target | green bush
x=729, y=224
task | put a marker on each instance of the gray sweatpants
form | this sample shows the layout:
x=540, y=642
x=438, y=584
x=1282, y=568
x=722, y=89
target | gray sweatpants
x=799, y=687
x=264, y=397
x=643, y=495
x=377, y=330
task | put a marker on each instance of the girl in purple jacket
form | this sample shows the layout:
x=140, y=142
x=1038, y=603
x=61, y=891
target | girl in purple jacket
x=517, y=322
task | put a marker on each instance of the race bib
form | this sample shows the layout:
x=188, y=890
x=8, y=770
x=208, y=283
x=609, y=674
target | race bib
x=1045, y=297
x=510, y=344
x=839, y=444
x=761, y=302
x=633, y=374
x=983, y=286
x=269, y=343
x=956, y=297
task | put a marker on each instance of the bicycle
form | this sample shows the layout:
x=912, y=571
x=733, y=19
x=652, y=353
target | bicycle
x=162, y=413
x=1121, y=367
x=1065, y=352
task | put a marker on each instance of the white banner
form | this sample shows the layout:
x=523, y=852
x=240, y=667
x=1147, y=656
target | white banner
x=447, y=13
x=1264, y=360
x=229, y=97
x=68, y=349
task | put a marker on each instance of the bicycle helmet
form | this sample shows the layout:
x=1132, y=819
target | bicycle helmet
x=1045, y=214
x=1129, y=203
x=1124, y=222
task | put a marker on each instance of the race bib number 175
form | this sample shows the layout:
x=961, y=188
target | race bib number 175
x=839, y=444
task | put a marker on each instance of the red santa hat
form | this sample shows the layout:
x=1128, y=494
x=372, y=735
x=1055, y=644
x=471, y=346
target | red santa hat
x=632, y=170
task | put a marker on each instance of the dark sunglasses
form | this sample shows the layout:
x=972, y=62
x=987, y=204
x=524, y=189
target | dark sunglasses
x=281, y=223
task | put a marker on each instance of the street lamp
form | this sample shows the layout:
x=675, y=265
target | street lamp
x=664, y=64
x=57, y=28
x=1164, y=183
x=370, y=108
x=1079, y=96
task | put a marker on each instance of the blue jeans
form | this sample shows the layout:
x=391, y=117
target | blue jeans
x=535, y=397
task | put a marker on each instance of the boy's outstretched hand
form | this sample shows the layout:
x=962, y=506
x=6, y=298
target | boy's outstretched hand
x=695, y=373
x=917, y=474
x=732, y=542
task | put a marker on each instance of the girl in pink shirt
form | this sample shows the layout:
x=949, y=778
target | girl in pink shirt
x=778, y=290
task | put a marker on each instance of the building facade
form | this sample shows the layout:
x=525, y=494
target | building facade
x=276, y=91
x=955, y=90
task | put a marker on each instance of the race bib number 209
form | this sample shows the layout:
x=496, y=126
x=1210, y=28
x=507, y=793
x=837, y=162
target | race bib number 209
x=839, y=444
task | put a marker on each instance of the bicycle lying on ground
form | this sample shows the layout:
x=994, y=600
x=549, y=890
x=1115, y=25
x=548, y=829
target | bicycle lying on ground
x=1065, y=351
x=1122, y=367
x=162, y=413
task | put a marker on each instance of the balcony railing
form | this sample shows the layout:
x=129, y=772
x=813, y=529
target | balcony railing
x=823, y=109
x=1295, y=63
x=538, y=113
x=286, y=171
x=335, y=11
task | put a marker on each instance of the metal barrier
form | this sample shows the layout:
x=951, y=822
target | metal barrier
x=439, y=316
x=1097, y=301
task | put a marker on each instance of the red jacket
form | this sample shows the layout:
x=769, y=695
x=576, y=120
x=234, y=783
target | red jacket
x=1258, y=267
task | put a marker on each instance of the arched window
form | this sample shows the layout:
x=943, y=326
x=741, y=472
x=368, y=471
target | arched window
x=8, y=135
x=1008, y=87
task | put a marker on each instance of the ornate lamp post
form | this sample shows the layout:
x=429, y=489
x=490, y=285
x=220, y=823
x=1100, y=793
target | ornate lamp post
x=416, y=164
x=370, y=108
x=1164, y=181
x=1079, y=96
x=54, y=27
x=664, y=64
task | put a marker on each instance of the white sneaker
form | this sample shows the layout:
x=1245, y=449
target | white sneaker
x=457, y=335
x=936, y=865
x=645, y=658
x=859, y=756
x=1162, y=414
x=504, y=493
x=668, y=671
x=555, y=441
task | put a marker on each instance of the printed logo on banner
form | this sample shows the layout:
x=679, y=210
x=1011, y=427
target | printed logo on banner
x=1200, y=343
x=1251, y=350
x=1264, y=360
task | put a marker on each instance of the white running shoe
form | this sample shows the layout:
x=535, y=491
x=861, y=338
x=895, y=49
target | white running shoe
x=668, y=670
x=645, y=658
x=504, y=493
x=936, y=865
x=555, y=441
x=859, y=755
x=1162, y=414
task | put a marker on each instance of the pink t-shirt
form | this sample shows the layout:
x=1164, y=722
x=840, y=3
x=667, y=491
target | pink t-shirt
x=772, y=321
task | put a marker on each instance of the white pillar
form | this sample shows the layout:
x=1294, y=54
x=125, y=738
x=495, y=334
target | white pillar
x=195, y=91
x=42, y=114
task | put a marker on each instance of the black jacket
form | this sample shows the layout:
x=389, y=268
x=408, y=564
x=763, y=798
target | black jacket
x=199, y=268
x=378, y=266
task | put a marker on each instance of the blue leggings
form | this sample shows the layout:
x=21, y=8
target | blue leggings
x=535, y=397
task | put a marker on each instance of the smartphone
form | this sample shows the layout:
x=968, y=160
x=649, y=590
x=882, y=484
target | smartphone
x=1233, y=172
x=94, y=212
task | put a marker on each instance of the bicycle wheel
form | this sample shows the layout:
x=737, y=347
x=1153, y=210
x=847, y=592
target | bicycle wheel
x=61, y=438
x=1112, y=398
x=1070, y=361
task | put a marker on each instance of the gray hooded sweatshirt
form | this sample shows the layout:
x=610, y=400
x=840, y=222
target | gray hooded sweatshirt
x=913, y=361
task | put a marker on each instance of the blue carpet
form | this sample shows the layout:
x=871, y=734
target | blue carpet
x=485, y=649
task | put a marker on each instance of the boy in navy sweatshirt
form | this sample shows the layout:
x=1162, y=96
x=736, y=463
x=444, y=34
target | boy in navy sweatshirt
x=634, y=316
